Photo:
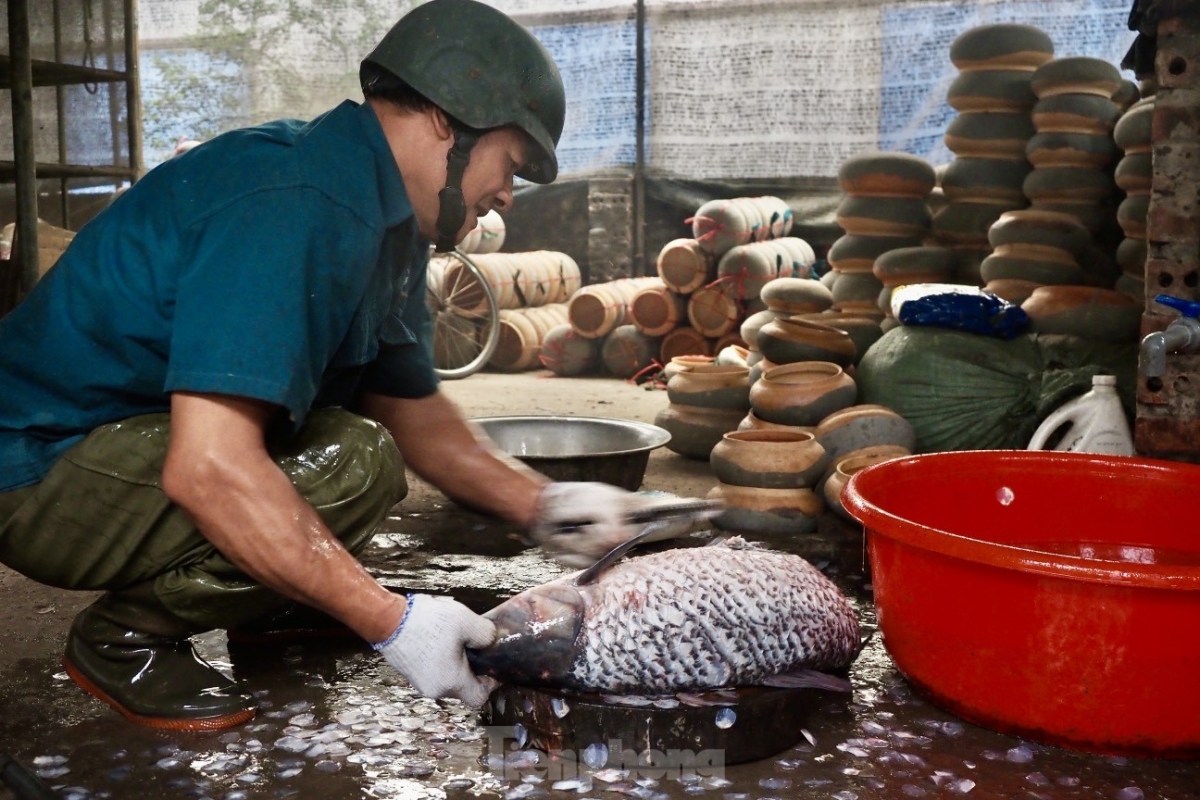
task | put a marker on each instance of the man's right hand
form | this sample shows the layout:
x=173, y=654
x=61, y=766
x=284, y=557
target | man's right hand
x=428, y=648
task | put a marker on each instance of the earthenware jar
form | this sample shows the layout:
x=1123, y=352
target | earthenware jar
x=788, y=339
x=768, y=459
x=845, y=468
x=803, y=393
x=753, y=422
x=851, y=430
x=696, y=430
x=712, y=386
x=748, y=508
x=680, y=363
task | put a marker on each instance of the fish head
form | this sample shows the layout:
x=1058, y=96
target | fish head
x=536, y=632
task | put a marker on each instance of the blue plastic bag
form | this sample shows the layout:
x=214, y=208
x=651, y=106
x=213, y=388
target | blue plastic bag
x=964, y=308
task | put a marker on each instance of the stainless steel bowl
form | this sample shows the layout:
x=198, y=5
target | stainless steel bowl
x=578, y=448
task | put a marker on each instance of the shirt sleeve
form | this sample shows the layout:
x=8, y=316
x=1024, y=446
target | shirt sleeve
x=267, y=290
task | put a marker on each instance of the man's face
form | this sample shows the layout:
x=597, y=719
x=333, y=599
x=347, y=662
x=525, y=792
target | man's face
x=488, y=180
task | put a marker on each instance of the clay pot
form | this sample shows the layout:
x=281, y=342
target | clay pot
x=862, y=427
x=564, y=352
x=744, y=270
x=1001, y=46
x=842, y=472
x=886, y=175
x=790, y=339
x=1032, y=226
x=627, y=351
x=862, y=328
x=772, y=459
x=752, y=422
x=713, y=310
x=1006, y=90
x=732, y=355
x=1059, y=149
x=1102, y=314
x=712, y=386
x=1014, y=290
x=1076, y=75
x=883, y=216
x=680, y=363
x=858, y=253
x=685, y=266
x=684, y=341
x=759, y=367
x=750, y=509
x=986, y=180
x=1067, y=184
x=1132, y=132
x=1076, y=113
x=967, y=223
x=695, y=430
x=915, y=265
x=788, y=296
x=989, y=135
x=803, y=393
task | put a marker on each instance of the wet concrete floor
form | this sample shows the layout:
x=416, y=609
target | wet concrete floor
x=335, y=722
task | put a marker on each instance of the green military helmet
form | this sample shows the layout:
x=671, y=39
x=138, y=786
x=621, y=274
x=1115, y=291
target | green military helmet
x=482, y=68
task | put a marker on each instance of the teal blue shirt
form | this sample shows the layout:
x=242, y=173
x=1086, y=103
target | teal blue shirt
x=280, y=262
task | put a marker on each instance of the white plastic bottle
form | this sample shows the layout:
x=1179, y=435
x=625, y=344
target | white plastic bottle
x=1095, y=421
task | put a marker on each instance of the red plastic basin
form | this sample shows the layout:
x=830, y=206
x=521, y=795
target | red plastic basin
x=1055, y=596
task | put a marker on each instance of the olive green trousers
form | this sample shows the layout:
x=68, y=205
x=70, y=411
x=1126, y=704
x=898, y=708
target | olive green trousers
x=100, y=519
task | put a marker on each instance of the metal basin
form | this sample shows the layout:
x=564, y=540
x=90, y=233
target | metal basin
x=612, y=451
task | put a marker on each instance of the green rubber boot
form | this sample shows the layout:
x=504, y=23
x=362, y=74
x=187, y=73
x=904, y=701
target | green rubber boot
x=130, y=652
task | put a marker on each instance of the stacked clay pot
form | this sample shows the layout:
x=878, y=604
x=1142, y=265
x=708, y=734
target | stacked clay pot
x=567, y=354
x=856, y=437
x=802, y=393
x=1074, y=146
x=627, y=351
x=711, y=282
x=1133, y=175
x=521, y=280
x=596, y=309
x=766, y=480
x=992, y=94
x=522, y=332
x=895, y=268
x=705, y=401
x=884, y=207
x=1035, y=247
x=1090, y=312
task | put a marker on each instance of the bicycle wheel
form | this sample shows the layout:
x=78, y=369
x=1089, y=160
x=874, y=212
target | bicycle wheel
x=465, y=315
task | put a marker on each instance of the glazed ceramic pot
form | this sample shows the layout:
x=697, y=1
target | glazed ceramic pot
x=754, y=510
x=712, y=386
x=768, y=459
x=789, y=339
x=696, y=430
x=803, y=393
x=845, y=468
x=859, y=427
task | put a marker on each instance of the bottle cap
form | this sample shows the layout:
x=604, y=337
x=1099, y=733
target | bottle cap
x=1104, y=380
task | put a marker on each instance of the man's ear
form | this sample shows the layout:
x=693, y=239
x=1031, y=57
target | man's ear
x=441, y=124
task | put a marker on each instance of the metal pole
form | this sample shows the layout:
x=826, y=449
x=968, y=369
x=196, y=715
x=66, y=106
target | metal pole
x=61, y=101
x=133, y=90
x=639, y=167
x=23, y=155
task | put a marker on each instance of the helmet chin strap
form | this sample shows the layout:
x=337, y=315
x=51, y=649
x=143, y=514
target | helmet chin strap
x=452, y=208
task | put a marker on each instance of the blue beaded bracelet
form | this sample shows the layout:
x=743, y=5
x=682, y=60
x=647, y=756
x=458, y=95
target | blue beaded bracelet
x=410, y=598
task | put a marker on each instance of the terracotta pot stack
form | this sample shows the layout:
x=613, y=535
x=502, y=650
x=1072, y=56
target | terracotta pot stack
x=1074, y=146
x=883, y=208
x=1133, y=175
x=522, y=334
x=766, y=479
x=993, y=96
x=711, y=282
x=705, y=401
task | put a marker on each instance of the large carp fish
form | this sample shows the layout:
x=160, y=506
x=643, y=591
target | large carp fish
x=686, y=620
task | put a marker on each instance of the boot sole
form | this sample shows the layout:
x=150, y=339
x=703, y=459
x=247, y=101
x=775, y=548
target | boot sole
x=162, y=723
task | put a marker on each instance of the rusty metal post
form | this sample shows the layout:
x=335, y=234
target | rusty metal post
x=1168, y=408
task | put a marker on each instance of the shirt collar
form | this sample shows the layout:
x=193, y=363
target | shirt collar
x=396, y=206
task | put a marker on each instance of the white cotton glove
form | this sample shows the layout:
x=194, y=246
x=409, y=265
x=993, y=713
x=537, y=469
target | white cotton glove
x=428, y=648
x=579, y=522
